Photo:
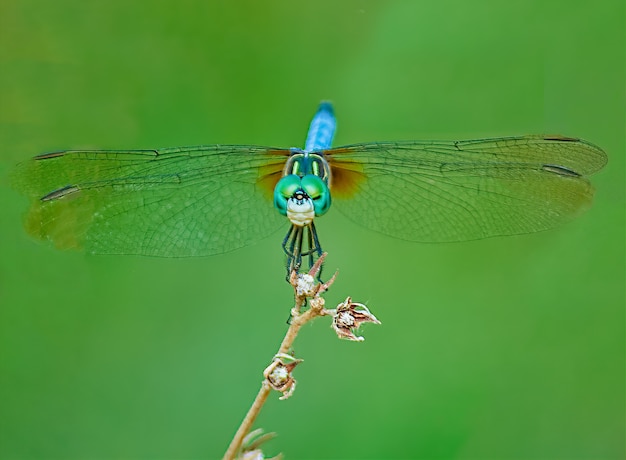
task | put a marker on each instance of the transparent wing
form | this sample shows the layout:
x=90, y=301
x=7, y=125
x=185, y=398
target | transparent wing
x=176, y=202
x=456, y=191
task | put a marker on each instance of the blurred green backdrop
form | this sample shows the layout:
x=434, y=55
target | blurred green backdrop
x=503, y=348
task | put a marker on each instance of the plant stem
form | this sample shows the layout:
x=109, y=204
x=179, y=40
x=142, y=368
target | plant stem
x=297, y=321
x=248, y=421
x=307, y=290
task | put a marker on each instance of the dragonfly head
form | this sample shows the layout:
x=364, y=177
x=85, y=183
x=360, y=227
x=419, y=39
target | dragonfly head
x=301, y=198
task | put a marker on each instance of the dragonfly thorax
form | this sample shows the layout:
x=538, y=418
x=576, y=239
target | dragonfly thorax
x=302, y=163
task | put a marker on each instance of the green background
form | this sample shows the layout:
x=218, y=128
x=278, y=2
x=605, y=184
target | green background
x=502, y=348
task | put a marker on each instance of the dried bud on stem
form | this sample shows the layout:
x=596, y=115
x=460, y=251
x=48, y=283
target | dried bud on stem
x=278, y=374
x=349, y=316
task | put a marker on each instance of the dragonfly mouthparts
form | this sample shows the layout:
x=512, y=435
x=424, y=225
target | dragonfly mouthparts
x=300, y=209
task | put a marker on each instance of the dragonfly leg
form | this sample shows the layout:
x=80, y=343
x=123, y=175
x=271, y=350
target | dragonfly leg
x=287, y=241
x=316, y=241
x=293, y=247
x=296, y=262
x=314, y=249
x=309, y=252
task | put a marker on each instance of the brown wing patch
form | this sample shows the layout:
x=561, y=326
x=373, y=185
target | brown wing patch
x=270, y=174
x=346, y=178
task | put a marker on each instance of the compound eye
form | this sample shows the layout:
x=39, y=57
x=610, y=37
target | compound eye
x=285, y=189
x=318, y=191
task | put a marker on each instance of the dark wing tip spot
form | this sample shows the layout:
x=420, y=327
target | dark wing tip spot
x=560, y=170
x=46, y=156
x=558, y=137
x=60, y=193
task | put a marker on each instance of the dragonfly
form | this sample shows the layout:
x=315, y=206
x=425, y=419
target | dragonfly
x=212, y=199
